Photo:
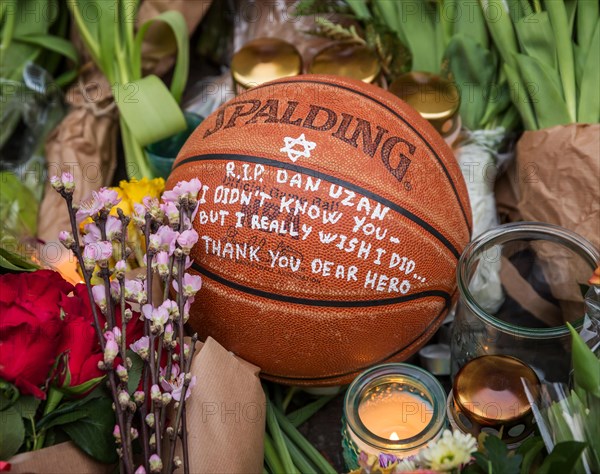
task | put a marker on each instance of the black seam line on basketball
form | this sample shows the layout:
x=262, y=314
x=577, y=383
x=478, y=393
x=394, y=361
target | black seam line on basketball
x=360, y=369
x=317, y=302
x=332, y=179
x=366, y=96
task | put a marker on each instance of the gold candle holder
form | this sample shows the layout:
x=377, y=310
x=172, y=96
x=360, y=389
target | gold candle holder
x=263, y=60
x=352, y=60
x=436, y=99
x=488, y=395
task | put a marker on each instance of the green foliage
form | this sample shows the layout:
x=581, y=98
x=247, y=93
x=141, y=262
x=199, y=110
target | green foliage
x=12, y=432
x=135, y=372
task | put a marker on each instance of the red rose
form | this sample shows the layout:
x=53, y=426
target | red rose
x=79, y=340
x=30, y=327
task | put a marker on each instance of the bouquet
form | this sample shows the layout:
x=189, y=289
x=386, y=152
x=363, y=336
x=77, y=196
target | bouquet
x=51, y=387
x=164, y=358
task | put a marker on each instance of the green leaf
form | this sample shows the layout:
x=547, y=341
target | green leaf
x=27, y=406
x=588, y=12
x=501, y=29
x=18, y=207
x=563, y=458
x=566, y=64
x=497, y=457
x=68, y=407
x=15, y=262
x=135, y=372
x=52, y=43
x=9, y=394
x=83, y=387
x=12, y=432
x=536, y=38
x=589, y=95
x=530, y=450
x=149, y=110
x=65, y=418
x=546, y=97
x=93, y=434
x=175, y=21
x=473, y=70
x=586, y=366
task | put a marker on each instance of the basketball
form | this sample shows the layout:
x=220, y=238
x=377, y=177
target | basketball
x=331, y=220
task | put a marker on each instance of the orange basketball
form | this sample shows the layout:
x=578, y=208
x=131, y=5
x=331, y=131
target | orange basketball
x=331, y=220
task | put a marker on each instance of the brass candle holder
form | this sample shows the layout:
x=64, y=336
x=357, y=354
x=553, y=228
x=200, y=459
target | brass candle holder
x=263, y=60
x=352, y=60
x=436, y=99
x=488, y=395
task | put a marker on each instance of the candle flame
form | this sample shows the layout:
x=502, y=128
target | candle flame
x=394, y=437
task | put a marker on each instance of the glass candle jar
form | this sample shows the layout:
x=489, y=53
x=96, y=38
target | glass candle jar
x=519, y=284
x=391, y=408
x=347, y=59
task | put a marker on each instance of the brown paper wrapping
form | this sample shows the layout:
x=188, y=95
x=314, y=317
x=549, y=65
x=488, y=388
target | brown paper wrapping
x=560, y=184
x=225, y=418
x=558, y=172
x=85, y=142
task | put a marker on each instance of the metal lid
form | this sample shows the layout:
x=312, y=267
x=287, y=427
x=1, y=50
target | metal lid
x=489, y=391
x=263, y=60
x=435, y=98
x=352, y=60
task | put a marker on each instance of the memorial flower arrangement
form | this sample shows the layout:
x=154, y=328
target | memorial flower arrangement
x=166, y=382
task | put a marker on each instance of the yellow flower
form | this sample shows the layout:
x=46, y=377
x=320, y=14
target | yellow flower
x=136, y=190
x=124, y=204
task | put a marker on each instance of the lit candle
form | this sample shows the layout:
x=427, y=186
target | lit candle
x=392, y=408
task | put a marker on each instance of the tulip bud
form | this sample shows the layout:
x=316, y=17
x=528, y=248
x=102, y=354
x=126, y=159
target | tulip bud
x=155, y=393
x=150, y=420
x=166, y=398
x=66, y=238
x=110, y=352
x=123, y=398
x=155, y=463
x=56, y=183
x=117, y=433
x=139, y=397
x=122, y=373
x=68, y=182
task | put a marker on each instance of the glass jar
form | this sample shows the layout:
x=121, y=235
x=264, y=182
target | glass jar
x=394, y=409
x=519, y=284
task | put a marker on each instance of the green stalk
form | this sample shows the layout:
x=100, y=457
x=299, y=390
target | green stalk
x=271, y=456
x=8, y=10
x=279, y=441
x=137, y=162
x=288, y=398
x=92, y=46
x=301, y=442
x=566, y=65
x=501, y=29
x=299, y=458
x=301, y=415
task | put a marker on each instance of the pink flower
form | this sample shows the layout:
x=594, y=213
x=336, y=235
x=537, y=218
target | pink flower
x=135, y=291
x=110, y=350
x=171, y=210
x=191, y=284
x=141, y=347
x=170, y=306
x=187, y=239
x=56, y=183
x=68, y=182
x=161, y=263
x=120, y=266
x=115, y=290
x=175, y=384
x=164, y=240
x=155, y=463
x=99, y=296
x=103, y=199
x=159, y=316
x=140, y=470
x=139, y=214
x=66, y=238
x=113, y=228
x=96, y=252
x=92, y=233
x=183, y=190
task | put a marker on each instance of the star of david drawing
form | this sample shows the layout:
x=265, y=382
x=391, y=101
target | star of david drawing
x=291, y=150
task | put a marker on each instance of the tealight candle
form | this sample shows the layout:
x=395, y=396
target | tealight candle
x=392, y=408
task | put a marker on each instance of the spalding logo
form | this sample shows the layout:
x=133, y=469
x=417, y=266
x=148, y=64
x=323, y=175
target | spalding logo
x=307, y=115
